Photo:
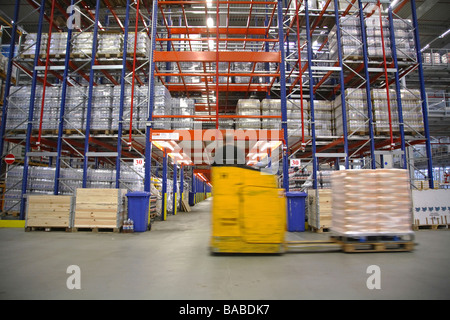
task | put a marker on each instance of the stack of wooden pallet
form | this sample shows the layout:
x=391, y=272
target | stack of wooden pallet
x=48, y=212
x=99, y=209
x=319, y=209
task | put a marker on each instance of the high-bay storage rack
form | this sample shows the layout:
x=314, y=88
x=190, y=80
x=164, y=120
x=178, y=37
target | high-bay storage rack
x=102, y=81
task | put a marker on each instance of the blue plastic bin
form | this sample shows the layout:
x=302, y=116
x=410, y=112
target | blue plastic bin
x=296, y=203
x=138, y=203
x=191, y=199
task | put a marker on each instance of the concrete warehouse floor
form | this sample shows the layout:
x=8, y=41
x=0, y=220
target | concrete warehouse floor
x=173, y=262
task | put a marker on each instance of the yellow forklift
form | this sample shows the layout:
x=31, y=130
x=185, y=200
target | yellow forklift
x=249, y=213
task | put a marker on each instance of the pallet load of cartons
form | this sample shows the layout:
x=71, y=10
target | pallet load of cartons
x=374, y=39
x=294, y=117
x=183, y=107
x=142, y=44
x=404, y=39
x=431, y=208
x=248, y=107
x=99, y=209
x=412, y=111
x=101, y=108
x=110, y=45
x=350, y=38
x=163, y=106
x=323, y=119
x=58, y=45
x=272, y=107
x=82, y=44
x=355, y=110
x=381, y=111
x=371, y=202
x=29, y=45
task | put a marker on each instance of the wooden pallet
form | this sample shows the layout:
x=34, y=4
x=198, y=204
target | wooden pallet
x=110, y=55
x=320, y=230
x=430, y=227
x=393, y=246
x=375, y=244
x=47, y=229
x=96, y=229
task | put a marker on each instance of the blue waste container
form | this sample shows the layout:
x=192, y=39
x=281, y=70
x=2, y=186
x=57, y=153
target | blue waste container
x=296, y=203
x=138, y=203
x=192, y=199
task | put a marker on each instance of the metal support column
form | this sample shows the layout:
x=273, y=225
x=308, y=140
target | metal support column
x=62, y=107
x=311, y=95
x=367, y=77
x=12, y=48
x=182, y=182
x=91, y=88
x=423, y=95
x=164, y=188
x=31, y=107
x=122, y=94
x=174, y=195
x=397, y=88
x=283, y=95
x=151, y=101
x=341, y=83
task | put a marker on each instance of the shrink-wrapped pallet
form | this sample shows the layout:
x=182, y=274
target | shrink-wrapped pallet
x=248, y=107
x=371, y=202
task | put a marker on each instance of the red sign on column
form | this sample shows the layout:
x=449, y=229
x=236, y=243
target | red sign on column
x=10, y=158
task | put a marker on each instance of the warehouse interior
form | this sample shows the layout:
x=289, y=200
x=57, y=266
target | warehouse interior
x=224, y=149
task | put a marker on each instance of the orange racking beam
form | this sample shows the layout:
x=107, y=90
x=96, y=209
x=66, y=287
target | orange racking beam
x=222, y=30
x=208, y=56
x=222, y=88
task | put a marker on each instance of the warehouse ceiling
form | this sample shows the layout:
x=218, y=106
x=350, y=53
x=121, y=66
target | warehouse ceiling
x=432, y=16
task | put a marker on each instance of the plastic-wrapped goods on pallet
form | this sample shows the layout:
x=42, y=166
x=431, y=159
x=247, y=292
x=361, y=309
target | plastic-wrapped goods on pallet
x=162, y=106
x=101, y=108
x=271, y=107
x=324, y=125
x=342, y=5
x=374, y=40
x=183, y=107
x=294, y=117
x=371, y=202
x=75, y=109
x=110, y=45
x=350, y=38
x=58, y=44
x=412, y=111
x=242, y=67
x=82, y=44
x=356, y=112
x=142, y=47
x=248, y=107
x=19, y=103
x=29, y=45
x=380, y=109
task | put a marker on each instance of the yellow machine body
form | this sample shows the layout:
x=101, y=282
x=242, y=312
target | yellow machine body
x=248, y=211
